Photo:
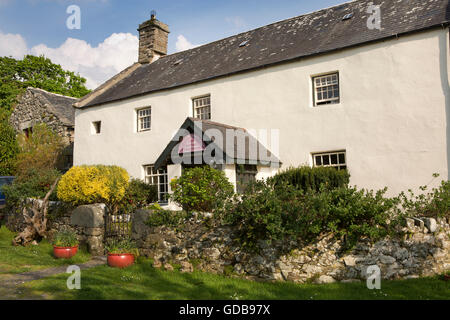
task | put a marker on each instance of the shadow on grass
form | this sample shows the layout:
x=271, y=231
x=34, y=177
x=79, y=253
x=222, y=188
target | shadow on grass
x=142, y=282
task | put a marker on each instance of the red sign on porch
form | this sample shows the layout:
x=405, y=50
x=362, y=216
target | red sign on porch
x=191, y=143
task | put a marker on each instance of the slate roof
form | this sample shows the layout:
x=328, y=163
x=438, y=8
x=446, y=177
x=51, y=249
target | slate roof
x=61, y=106
x=307, y=35
x=203, y=129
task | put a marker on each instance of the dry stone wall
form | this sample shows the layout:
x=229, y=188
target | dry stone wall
x=422, y=251
x=86, y=221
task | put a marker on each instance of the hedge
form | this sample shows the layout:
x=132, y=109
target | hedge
x=306, y=178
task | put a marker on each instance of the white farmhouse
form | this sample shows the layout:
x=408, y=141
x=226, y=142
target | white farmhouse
x=363, y=86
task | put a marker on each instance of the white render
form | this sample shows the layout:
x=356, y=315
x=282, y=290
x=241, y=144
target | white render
x=392, y=118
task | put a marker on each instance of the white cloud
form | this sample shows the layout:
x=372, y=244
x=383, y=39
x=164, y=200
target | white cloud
x=183, y=44
x=96, y=64
x=12, y=45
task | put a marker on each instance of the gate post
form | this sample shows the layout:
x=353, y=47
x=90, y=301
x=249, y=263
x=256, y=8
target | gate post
x=91, y=219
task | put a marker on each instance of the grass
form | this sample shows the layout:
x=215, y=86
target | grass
x=142, y=281
x=24, y=259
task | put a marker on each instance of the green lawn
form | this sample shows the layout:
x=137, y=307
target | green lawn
x=142, y=281
x=23, y=259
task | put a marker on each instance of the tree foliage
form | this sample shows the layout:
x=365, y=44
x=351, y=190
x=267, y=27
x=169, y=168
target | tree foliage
x=201, y=189
x=37, y=72
x=8, y=148
x=40, y=151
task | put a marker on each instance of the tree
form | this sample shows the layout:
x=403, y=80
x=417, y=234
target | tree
x=37, y=72
x=8, y=148
x=35, y=177
x=39, y=151
x=15, y=77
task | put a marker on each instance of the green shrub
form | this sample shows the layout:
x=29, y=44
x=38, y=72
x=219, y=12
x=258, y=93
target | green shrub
x=39, y=151
x=8, y=148
x=275, y=211
x=35, y=184
x=94, y=184
x=160, y=217
x=65, y=238
x=121, y=246
x=434, y=204
x=201, y=189
x=138, y=195
x=307, y=178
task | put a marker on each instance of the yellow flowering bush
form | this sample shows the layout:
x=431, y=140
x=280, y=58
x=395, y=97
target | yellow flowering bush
x=93, y=184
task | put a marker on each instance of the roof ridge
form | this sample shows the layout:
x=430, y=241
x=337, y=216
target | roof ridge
x=216, y=123
x=52, y=93
x=257, y=28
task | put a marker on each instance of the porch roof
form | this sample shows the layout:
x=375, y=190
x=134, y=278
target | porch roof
x=233, y=151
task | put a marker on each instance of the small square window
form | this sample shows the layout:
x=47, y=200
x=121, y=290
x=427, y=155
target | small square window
x=202, y=107
x=326, y=89
x=96, y=127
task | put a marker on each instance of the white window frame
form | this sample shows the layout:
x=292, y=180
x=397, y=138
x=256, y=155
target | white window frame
x=326, y=159
x=326, y=84
x=162, y=180
x=142, y=115
x=201, y=107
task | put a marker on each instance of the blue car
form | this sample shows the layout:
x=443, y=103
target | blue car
x=3, y=181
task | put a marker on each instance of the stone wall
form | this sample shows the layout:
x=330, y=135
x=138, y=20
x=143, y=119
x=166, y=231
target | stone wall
x=86, y=221
x=33, y=108
x=423, y=251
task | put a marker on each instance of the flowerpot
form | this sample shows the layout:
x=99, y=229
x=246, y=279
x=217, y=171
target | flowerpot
x=122, y=260
x=65, y=252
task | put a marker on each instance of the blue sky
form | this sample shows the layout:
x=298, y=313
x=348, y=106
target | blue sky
x=39, y=27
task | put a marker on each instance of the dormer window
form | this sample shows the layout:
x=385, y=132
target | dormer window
x=202, y=107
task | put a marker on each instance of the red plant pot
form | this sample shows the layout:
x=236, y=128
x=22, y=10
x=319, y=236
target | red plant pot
x=64, y=252
x=122, y=260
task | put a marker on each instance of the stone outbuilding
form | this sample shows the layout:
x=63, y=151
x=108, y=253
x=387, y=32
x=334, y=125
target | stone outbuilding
x=39, y=106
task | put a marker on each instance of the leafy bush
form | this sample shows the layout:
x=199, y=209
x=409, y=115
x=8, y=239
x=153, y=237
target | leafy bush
x=39, y=151
x=8, y=148
x=94, y=184
x=138, y=195
x=65, y=238
x=274, y=211
x=435, y=204
x=160, y=217
x=307, y=178
x=34, y=184
x=122, y=246
x=201, y=189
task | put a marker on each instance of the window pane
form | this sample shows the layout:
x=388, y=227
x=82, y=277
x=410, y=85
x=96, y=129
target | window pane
x=341, y=158
x=318, y=160
x=334, y=159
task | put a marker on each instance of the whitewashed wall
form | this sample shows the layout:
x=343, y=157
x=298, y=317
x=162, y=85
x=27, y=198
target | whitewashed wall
x=392, y=118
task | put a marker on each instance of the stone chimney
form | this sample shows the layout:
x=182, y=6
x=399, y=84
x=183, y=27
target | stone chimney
x=153, y=39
